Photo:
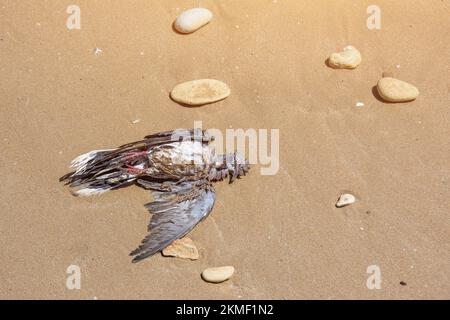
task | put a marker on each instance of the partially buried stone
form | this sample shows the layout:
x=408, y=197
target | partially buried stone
x=200, y=92
x=182, y=248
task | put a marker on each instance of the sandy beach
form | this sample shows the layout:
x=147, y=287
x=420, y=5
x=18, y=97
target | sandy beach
x=282, y=233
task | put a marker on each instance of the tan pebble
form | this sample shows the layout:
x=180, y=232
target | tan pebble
x=218, y=274
x=345, y=200
x=394, y=90
x=192, y=20
x=182, y=248
x=350, y=58
x=199, y=92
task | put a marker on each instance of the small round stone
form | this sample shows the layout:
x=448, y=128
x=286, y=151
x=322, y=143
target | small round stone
x=345, y=200
x=394, y=90
x=192, y=20
x=218, y=274
x=349, y=58
x=199, y=92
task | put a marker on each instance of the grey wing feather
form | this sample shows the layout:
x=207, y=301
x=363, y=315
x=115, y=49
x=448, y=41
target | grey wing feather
x=175, y=213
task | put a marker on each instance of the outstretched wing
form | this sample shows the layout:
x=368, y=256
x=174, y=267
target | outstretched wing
x=175, y=213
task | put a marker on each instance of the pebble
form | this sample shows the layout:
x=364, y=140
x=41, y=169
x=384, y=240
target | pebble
x=350, y=58
x=199, y=92
x=345, y=200
x=218, y=274
x=192, y=20
x=394, y=90
x=182, y=248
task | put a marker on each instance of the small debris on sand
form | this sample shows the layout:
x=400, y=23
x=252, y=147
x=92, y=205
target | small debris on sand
x=345, y=200
x=97, y=51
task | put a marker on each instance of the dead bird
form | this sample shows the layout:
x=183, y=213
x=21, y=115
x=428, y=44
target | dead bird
x=178, y=167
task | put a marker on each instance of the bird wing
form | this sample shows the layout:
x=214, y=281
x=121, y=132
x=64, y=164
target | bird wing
x=175, y=213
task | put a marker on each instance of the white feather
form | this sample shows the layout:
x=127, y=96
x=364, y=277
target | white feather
x=87, y=192
x=80, y=162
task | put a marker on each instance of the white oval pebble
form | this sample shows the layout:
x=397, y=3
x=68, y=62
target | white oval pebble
x=182, y=248
x=192, y=19
x=199, y=92
x=345, y=200
x=218, y=274
x=350, y=58
x=394, y=90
